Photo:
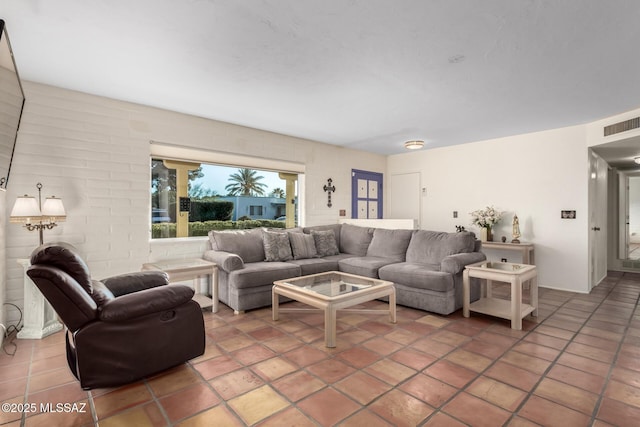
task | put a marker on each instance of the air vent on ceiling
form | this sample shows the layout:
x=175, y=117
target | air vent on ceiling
x=622, y=126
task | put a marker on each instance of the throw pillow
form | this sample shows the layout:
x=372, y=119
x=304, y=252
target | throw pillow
x=276, y=246
x=303, y=246
x=325, y=242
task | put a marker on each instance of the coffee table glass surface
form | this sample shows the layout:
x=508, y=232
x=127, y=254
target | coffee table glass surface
x=332, y=284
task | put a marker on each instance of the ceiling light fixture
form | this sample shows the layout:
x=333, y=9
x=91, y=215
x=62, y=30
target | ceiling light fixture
x=637, y=160
x=414, y=145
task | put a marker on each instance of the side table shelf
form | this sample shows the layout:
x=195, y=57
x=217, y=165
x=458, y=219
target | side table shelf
x=39, y=318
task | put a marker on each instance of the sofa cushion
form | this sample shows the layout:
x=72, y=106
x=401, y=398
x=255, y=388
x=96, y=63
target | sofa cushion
x=354, y=239
x=325, y=241
x=333, y=227
x=418, y=276
x=316, y=265
x=262, y=273
x=364, y=266
x=303, y=246
x=247, y=244
x=431, y=247
x=390, y=243
x=276, y=246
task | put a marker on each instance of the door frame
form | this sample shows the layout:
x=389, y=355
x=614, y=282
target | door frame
x=369, y=176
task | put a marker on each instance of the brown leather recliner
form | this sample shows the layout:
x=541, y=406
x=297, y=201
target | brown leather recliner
x=120, y=329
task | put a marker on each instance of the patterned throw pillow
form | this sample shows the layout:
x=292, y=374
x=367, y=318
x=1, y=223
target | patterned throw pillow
x=325, y=242
x=303, y=246
x=276, y=246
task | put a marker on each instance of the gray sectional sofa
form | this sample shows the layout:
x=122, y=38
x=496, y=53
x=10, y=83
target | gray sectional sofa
x=426, y=266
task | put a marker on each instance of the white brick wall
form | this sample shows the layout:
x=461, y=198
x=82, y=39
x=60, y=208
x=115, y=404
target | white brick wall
x=93, y=152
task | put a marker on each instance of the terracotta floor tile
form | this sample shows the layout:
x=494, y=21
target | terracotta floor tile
x=429, y=390
x=120, y=399
x=608, y=335
x=403, y=336
x=432, y=347
x=67, y=393
x=469, y=360
x=584, y=364
x=331, y=370
x=258, y=404
x=218, y=415
x=389, y=371
x=291, y=417
x=537, y=350
x=401, y=409
x=298, y=385
x=513, y=375
x=440, y=419
x=253, y=354
x=601, y=343
x=546, y=340
x=362, y=388
x=484, y=348
x=382, y=346
x=364, y=418
x=451, y=373
x=305, y=355
x=623, y=393
x=235, y=343
x=283, y=344
x=500, y=394
x=9, y=416
x=188, y=401
x=78, y=414
x=173, y=380
x=274, y=368
x=50, y=379
x=594, y=353
x=413, y=358
x=567, y=395
x=235, y=383
x=450, y=338
x=526, y=362
x=628, y=362
x=217, y=366
x=12, y=388
x=555, y=332
x=358, y=357
x=266, y=333
x=547, y=413
x=617, y=413
x=148, y=415
x=328, y=406
x=14, y=371
x=477, y=412
x=574, y=377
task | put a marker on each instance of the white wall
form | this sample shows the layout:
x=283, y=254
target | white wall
x=3, y=263
x=534, y=175
x=93, y=152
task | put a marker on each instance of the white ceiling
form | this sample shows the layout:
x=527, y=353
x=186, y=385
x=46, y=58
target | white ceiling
x=366, y=74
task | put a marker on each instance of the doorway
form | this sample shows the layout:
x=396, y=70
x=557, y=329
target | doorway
x=366, y=191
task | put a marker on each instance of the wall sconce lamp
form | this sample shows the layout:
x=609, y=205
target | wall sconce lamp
x=36, y=216
x=329, y=188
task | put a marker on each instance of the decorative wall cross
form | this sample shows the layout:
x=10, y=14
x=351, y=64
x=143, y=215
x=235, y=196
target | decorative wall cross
x=329, y=189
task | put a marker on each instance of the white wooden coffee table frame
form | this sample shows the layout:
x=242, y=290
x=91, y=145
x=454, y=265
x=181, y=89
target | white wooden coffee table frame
x=331, y=304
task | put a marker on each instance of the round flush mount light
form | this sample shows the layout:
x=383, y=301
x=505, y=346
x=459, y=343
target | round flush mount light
x=637, y=160
x=414, y=145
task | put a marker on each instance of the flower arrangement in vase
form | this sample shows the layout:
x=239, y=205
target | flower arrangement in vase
x=486, y=219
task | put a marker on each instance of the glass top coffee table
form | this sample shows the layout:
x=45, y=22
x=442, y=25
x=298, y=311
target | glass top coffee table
x=515, y=274
x=333, y=291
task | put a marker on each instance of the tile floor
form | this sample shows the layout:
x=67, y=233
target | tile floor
x=578, y=364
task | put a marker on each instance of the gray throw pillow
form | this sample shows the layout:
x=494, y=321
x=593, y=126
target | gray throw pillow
x=325, y=242
x=303, y=246
x=276, y=246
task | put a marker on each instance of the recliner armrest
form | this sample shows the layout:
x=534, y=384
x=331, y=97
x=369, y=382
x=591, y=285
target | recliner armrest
x=454, y=264
x=226, y=261
x=147, y=301
x=133, y=282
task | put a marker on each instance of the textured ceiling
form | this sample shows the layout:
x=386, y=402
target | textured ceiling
x=367, y=74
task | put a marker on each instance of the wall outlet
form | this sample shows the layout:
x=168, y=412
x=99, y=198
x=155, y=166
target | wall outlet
x=503, y=260
x=343, y=212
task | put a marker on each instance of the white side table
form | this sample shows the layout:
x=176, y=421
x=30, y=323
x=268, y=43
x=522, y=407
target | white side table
x=40, y=319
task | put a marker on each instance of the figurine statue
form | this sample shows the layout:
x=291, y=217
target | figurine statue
x=516, y=229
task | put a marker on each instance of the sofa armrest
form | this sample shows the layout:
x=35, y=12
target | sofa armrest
x=454, y=264
x=133, y=282
x=226, y=261
x=147, y=301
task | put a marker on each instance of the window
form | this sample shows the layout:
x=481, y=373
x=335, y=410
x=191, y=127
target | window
x=219, y=197
x=256, y=211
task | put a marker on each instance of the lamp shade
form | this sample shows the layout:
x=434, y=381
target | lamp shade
x=25, y=210
x=53, y=210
